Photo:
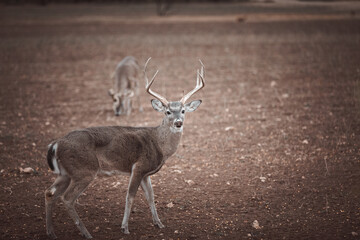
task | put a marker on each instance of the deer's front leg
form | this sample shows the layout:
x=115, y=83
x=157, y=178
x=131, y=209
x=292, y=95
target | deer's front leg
x=149, y=194
x=135, y=180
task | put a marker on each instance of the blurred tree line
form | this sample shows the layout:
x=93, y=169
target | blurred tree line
x=162, y=6
x=44, y=2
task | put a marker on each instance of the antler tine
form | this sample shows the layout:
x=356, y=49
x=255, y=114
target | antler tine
x=147, y=80
x=200, y=83
x=201, y=73
x=148, y=85
x=202, y=68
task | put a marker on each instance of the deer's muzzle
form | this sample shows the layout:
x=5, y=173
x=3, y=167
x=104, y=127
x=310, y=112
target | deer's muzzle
x=178, y=123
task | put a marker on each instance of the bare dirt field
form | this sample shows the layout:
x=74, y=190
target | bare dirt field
x=276, y=138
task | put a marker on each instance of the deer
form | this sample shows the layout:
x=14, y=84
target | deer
x=138, y=152
x=125, y=86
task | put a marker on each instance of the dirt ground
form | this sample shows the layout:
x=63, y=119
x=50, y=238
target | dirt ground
x=276, y=139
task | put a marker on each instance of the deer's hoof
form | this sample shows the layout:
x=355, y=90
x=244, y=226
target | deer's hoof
x=51, y=235
x=88, y=236
x=159, y=224
x=125, y=230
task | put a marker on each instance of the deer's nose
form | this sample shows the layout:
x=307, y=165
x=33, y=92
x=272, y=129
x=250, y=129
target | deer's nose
x=178, y=123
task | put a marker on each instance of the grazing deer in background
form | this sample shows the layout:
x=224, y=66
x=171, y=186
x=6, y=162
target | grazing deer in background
x=83, y=154
x=125, y=86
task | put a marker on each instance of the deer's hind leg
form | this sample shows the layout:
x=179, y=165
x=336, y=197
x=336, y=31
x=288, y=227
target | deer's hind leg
x=76, y=187
x=51, y=195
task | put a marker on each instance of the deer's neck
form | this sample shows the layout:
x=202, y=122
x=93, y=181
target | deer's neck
x=168, y=140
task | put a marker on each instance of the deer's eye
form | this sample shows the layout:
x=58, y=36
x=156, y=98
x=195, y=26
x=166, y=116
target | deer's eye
x=183, y=111
x=168, y=112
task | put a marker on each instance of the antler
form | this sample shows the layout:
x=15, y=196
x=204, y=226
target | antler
x=200, y=83
x=148, y=85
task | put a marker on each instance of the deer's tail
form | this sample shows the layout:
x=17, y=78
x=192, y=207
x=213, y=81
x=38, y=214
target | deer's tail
x=51, y=157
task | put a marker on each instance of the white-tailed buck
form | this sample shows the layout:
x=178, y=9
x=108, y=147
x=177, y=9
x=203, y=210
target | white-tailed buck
x=125, y=86
x=83, y=154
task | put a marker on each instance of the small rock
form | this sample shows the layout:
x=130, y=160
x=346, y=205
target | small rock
x=256, y=224
x=190, y=182
x=262, y=179
x=273, y=84
x=26, y=170
x=354, y=234
x=229, y=128
x=170, y=205
x=305, y=142
x=176, y=231
x=285, y=95
x=47, y=123
x=116, y=184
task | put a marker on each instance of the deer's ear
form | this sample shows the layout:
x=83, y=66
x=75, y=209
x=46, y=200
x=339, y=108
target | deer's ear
x=111, y=92
x=157, y=105
x=192, y=106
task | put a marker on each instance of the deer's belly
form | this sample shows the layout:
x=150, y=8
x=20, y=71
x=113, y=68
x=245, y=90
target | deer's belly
x=109, y=173
x=110, y=167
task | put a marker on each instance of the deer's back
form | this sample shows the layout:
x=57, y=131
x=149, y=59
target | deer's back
x=126, y=72
x=112, y=148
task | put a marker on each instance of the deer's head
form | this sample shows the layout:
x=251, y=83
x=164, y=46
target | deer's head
x=121, y=101
x=175, y=111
